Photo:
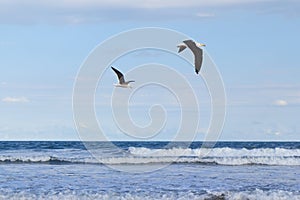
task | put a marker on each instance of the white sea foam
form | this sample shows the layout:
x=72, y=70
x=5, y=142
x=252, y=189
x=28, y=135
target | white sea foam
x=215, y=152
x=223, y=156
x=264, y=195
x=249, y=195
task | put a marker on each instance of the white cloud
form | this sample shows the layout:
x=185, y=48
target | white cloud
x=274, y=95
x=15, y=100
x=83, y=125
x=203, y=14
x=280, y=102
x=159, y=4
x=273, y=132
x=87, y=11
x=131, y=3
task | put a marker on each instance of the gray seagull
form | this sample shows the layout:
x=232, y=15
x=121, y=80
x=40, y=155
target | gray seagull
x=196, y=50
x=122, y=83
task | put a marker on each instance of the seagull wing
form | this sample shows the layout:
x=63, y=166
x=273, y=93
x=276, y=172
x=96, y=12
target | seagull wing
x=181, y=48
x=198, y=53
x=120, y=75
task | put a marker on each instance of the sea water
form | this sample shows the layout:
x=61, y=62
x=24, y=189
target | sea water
x=227, y=170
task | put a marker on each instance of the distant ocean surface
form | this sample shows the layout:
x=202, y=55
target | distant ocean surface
x=229, y=170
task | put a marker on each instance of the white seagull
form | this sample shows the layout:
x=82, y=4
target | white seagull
x=195, y=47
x=122, y=83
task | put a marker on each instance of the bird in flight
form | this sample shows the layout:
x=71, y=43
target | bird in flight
x=195, y=47
x=122, y=83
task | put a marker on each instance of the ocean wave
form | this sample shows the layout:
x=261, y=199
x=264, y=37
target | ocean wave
x=141, y=155
x=157, y=160
x=215, y=152
x=223, y=156
x=290, y=161
x=250, y=195
x=36, y=159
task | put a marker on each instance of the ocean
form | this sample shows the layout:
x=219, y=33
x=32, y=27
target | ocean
x=150, y=170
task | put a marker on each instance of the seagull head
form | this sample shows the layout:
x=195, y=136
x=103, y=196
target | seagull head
x=200, y=45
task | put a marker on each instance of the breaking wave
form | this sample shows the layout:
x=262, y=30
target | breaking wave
x=142, y=155
x=250, y=195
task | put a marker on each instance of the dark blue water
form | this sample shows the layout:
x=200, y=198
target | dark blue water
x=149, y=170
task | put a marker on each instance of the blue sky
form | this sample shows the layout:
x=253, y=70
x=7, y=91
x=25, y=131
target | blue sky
x=255, y=45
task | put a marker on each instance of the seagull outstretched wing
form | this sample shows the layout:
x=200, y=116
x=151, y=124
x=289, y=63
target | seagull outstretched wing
x=120, y=75
x=181, y=48
x=198, y=53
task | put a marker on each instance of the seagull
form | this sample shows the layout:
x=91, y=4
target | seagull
x=122, y=83
x=195, y=47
